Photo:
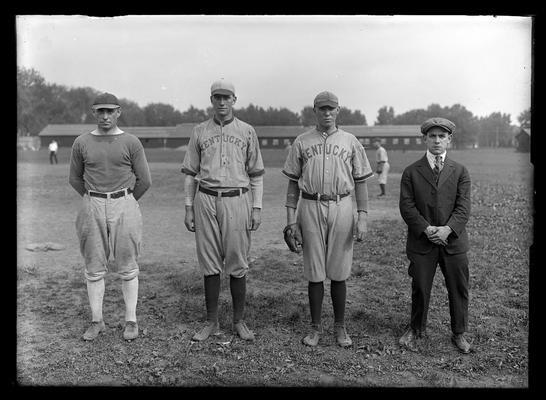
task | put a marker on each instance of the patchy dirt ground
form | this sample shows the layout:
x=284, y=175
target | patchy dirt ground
x=52, y=308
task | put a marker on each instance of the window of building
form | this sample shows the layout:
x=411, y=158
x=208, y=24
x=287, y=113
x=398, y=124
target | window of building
x=367, y=141
x=275, y=142
x=394, y=140
x=383, y=141
x=264, y=142
x=418, y=140
x=406, y=141
x=286, y=142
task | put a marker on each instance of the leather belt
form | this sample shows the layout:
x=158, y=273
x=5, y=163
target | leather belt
x=112, y=195
x=226, y=193
x=323, y=197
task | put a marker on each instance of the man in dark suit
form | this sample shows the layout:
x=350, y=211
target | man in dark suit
x=435, y=204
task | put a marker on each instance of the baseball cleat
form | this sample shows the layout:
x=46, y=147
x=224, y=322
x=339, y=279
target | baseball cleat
x=93, y=331
x=210, y=328
x=312, y=337
x=342, y=338
x=243, y=331
x=131, y=330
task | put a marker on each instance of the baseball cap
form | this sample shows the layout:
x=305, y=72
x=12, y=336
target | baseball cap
x=326, y=99
x=222, y=87
x=443, y=123
x=106, y=100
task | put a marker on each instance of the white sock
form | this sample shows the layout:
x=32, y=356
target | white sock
x=130, y=295
x=95, y=292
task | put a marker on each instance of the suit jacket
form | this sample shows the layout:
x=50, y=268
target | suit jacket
x=424, y=203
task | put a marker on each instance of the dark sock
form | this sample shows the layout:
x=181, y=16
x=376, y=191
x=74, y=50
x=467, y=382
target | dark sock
x=382, y=186
x=238, y=295
x=315, y=291
x=338, y=291
x=212, y=292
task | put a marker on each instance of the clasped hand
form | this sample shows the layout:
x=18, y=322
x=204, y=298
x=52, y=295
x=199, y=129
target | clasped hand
x=438, y=234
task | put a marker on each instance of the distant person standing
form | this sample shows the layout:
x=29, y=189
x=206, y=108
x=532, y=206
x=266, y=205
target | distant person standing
x=435, y=204
x=108, y=168
x=53, y=147
x=223, y=189
x=382, y=165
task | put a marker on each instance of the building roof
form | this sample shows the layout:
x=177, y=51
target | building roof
x=185, y=130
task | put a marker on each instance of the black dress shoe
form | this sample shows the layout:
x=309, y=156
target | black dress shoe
x=408, y=340
x=462, y=344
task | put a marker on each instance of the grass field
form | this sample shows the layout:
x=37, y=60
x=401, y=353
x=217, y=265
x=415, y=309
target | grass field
x=52, y=308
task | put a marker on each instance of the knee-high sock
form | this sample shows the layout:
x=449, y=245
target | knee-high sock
x=338, y=291
x=95, y=292
x=130, y=295
x=382, y=187
x=315, y=292
x=212, y=293
x=237, y=287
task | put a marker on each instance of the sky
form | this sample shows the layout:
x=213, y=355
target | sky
x=403, y=61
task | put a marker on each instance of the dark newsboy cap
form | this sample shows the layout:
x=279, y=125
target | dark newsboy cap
x=443, y=123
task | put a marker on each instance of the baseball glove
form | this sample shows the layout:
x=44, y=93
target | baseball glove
x=292, y=237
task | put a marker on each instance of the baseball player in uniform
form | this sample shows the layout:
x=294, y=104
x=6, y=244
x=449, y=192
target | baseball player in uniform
x=108, y=168
x=382, y=165
x=224, y=187
x=326, y=164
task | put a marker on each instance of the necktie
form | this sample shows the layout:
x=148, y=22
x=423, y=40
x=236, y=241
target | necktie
x=438, y=164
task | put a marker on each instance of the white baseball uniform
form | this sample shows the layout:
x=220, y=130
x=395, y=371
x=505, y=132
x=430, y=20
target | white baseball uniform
x=381, y=156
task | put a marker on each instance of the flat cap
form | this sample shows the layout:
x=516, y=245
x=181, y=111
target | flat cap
x=443, y=123
x=106, y=100
x=326, y=99
x=222, y=87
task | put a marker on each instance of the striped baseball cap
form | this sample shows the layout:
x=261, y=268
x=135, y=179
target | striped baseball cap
x=106, y=100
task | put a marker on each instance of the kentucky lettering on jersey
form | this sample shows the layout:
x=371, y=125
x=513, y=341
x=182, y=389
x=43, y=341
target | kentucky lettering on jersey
x=334, y=149
x=327, y=164
x=224, y=156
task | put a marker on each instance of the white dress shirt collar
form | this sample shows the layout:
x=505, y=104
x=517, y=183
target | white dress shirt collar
x=432, y=158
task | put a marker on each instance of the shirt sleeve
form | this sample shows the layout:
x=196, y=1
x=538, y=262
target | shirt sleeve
x=75, y=178
x=292, y=165
x=361, y=165
x=141, y=171
x=254, y=163
x=192, y=158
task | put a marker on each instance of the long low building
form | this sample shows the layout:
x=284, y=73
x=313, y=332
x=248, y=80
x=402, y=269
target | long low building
x=406, y=137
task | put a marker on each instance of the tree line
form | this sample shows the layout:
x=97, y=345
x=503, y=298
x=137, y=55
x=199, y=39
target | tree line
x=40, y=103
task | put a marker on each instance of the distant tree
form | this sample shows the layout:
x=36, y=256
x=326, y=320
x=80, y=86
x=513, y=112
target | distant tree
x=307, y=116
x=348, y=117
x=524, y=119
x=160, y=114
x=33, y=97
x=495, y=130
x=131, y=114
x=385, y=116
x=193, y=114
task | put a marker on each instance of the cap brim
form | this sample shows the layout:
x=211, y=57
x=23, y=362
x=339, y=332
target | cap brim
x=97, y=106
x=222, y=91
x=326, y=103
x=445, y=128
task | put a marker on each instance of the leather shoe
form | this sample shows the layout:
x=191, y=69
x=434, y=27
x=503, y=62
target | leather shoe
x=408, y=339
x=462, y=344
x=211, y=328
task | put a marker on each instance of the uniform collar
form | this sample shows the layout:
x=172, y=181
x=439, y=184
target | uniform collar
x=324, y=133
x=116, y=131
x=217, y=122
